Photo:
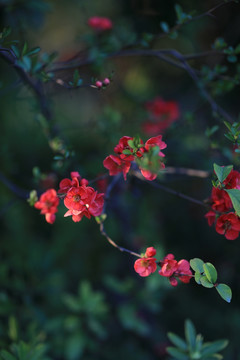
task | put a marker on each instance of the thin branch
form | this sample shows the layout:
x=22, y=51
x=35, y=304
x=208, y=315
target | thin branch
x=187, y=172
x=23, y=194
x=36, y=86
x=169, y=190
x=103, y=232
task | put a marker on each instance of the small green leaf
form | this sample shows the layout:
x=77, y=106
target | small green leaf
x=164, y=26
x=225, y=292
x=33, y=51
x=131, y=143
x=177, y=341
x=197, y=277
x=178, y=354
x=197, y=265
x=211, y=272
x=235, y=197
x=213, y=347
x=205, y=283
x=222, y=171
x=127, y=152
x=24, y=49
x=190, y=334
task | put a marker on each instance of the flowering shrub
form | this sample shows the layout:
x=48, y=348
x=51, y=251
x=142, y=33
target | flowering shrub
x=73, y=294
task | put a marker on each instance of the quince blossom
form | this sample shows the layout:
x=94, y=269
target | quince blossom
x=125, y=154
x=48, y=204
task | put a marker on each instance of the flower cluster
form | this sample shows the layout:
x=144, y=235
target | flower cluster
x=175, y=270
x=48, y=204
x=126, y=152
x=169, y=267
x=228, y=223
x=100, y=23
x=79, y=198
x=161, y=115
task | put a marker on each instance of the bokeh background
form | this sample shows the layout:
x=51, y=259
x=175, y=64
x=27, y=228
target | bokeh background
x=63, y=285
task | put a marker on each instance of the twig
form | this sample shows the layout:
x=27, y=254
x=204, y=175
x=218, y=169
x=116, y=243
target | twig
x=23, y=194
x=188, y=172
x=103, y=232
x=167, y=189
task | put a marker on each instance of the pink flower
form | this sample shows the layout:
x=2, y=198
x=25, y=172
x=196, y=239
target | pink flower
x=145, y=266
x=100, y=23
x=228, y=225
x=48, y=204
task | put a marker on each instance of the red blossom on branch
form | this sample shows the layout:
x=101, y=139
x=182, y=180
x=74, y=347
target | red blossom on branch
x=48, y=204
x=228, y=225
x=175, y=270
x=80, y=199
x=125, y=154
x=147, y=264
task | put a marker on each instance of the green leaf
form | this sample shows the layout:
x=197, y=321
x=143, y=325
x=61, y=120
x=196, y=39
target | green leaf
x=24, y=49
x=178, y=354
x=222, y=171
x=235, y=197
x=197, y=265
x=164, y=26
x=197, y=277
x=33, y=51
x=225, y=292
x=177, y=341
x=211, y=272
x=213, y=347
x=190, y=334
x=205, y=282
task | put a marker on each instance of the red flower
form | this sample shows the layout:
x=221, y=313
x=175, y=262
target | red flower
x=156, y=141
x=168, y=267
x=173, y=269
x=211, y=216
x=162, y=115
x=233, y=180
x=48, y=204
x=83, y=201
x=220, y=200
x=116, y=165
x=183, y=271
x=229, y=225
x=67, y=184
x=145, y=266
x=100, y=23
x=150, y=252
